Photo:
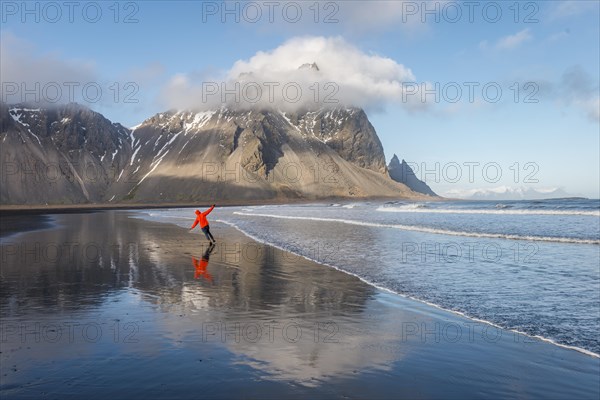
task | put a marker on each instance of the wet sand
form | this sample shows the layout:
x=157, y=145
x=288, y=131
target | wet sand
x=11, y=225
x=105, y=305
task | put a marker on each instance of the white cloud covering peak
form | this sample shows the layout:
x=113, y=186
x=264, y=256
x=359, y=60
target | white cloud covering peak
x=346, y=76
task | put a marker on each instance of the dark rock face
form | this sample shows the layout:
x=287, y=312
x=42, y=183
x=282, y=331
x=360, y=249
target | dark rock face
x=70, y=154
x=61, y=155
x=403, y=173
x=348, y=132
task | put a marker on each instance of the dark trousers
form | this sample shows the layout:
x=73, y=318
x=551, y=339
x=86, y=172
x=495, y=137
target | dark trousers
x=207, y=233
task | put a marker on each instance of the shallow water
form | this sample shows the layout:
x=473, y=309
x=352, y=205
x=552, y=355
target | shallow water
x=105, y=305
x=529, y=266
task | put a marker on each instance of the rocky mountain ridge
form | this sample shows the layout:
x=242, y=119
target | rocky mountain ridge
x=70, y=154
x=403, y=173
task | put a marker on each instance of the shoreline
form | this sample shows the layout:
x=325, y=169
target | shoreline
x=19, y=209
x=402, y=347
x=427, y=303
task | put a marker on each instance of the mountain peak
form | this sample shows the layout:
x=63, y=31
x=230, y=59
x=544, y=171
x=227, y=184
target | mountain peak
x=310, y=66
x=403, y=173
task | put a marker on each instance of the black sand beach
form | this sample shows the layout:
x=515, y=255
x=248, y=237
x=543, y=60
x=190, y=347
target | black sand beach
x=104, y=305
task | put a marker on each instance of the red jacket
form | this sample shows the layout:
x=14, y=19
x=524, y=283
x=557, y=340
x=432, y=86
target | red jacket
x=201, y=269
x=201, y=218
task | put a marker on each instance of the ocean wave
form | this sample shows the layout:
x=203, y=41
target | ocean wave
x=385, y=289
x=404, y=206
x=499, y=211
x=430, y=230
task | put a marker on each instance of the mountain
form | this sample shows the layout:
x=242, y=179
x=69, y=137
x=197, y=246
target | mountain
x=70, y=154
x=60, y=155
x=311, y=66
x=403, y=173
x=509, y=193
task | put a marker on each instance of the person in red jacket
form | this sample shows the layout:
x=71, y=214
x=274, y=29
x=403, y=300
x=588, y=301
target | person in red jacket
x=201, y=219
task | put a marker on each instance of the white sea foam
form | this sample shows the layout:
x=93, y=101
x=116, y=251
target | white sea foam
x=430, y=230
x=417, y=208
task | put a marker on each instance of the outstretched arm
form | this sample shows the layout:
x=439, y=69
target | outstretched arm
x=195, y=223
x=209, y=210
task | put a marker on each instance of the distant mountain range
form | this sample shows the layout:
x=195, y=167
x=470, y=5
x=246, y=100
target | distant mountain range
x=509, y=193
x=70, y=154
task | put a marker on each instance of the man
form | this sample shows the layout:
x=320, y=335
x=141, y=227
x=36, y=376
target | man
x=201, y=219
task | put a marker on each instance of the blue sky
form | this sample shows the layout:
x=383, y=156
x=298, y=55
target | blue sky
x=551, y=45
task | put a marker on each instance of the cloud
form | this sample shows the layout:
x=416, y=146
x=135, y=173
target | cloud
x=42, y=78
x=576, y=87
x=507, y=42
x=570, y=8
x=329, y=17
x=150, y=73
x=559, y=35
x=512, y=41
x=345, y=76
x=591, y=106
x=39, y=74
x=409, y=16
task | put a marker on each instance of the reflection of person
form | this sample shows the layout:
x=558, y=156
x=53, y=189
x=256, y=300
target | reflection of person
x=201, y=219
x=202, y=264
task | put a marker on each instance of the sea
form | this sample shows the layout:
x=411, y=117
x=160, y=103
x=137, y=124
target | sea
x=532, y=267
